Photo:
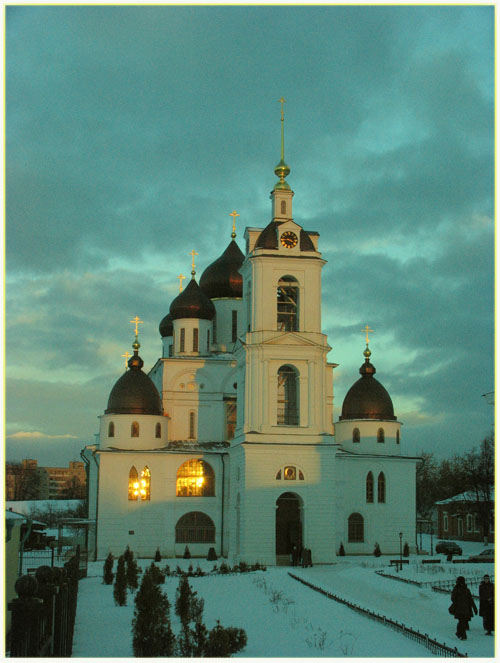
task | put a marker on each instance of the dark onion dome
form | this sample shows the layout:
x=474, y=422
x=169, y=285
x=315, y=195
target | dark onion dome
x=167, y=326
x=192, y=303
x=367, y=398
x=221, y=278
x=268, y=238
x=134, y=392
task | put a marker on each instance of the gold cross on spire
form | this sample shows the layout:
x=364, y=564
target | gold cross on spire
x=193, y=254
x=126, y=355
x=136, y=321
x=181, y=278
x=234, y=214
x=366, y=330
x=282, y=101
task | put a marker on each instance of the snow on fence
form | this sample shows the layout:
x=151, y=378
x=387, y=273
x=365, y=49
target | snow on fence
x=434, y=646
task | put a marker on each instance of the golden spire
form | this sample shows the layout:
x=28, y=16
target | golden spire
x=367, y=352
x=282, y=169
x=193, y=254
x=181, y=277
x=126, y=355
x=136, y=321
x=234, y=215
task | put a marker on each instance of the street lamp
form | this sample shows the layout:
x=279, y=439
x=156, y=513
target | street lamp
x=401, y=551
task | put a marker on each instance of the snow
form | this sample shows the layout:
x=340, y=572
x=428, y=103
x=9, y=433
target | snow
x=284, y=618
x=28, y=506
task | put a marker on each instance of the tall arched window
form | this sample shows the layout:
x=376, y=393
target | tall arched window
x=195, y=527
x=380, y=435
x=111, y=429
x=381, y=487
x=195, y=339
x=288, y=396
x=134, y=429
x=288, y=304
x=356, y=528
x=369, y=487
x=192, y=425
x=355, y=435
x=195, y=478
x=133, y=484
x=398, y=437
x=158, y=430
x=283, y=206
x=145, y=484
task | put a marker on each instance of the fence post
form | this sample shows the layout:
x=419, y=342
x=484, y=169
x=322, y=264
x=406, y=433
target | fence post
x=26, y=618
x=47, y=591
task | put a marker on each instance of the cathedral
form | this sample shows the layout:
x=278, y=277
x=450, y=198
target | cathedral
x=229, y=441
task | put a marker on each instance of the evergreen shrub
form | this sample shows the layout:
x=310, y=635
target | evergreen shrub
x=341, y=550
x=108, y=570
x=406, y=550
x=187, y=554
x=120, y=586
x=376, y=551
x=212, y=556
x=151, y=628
x=157, y=555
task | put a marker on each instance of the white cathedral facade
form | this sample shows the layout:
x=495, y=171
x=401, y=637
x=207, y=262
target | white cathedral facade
x=230, y=442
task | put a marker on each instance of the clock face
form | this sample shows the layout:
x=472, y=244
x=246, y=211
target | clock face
x=289, y=239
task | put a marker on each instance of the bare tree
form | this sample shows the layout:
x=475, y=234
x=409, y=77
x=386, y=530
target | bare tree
x=23, y=483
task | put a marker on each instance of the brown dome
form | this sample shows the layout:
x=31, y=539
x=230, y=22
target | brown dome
x=367, y=398
x=268, y=238
x=134, y=392
x=192, y=303
x=221, y=278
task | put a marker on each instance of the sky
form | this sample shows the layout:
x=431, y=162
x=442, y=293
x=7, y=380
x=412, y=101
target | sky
x=133, y=131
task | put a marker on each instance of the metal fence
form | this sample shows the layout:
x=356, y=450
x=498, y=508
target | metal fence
x=32, y=559
x=438, y=648
x=43, y=615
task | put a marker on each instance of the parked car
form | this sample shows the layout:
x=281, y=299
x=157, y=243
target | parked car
x=447, y=547
x=486, y=555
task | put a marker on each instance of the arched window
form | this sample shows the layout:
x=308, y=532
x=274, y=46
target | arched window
x=288, y=396
x=158, y=430
x=369, y=487
x=283, y=206
x=111, y=429
x=397, y=437
x=356, y=527
x=288, y=304
x=381, y=487
x=380, y=435
x=182, y=342
x=195, y=527
x=195, y=339
x=192, y=425
x=145, y=484
x=195, y=478
x=355, y=435
x=134, y=429
x=133, y=484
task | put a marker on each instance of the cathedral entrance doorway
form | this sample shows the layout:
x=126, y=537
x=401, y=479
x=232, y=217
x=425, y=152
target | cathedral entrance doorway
x=288, y=524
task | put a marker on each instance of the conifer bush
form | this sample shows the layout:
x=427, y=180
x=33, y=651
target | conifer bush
x=128, y=554
x=406, y=550
x=120, y=586
x=157, y=575
x=187, y=554
x=341, y=550
x=212, y=556
x=151, y=628
x=376, y=551
x=108, y=574
x=132, y=573
x=183, y=599
x=157, y=555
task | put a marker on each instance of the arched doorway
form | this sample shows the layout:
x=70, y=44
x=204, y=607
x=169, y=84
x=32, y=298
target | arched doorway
x=288, y=523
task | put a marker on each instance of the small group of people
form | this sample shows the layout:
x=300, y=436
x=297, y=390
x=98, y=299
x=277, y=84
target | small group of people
x=463, y=607
x=301, y=556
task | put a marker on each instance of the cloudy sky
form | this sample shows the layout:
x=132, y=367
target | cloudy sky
x=131, y=134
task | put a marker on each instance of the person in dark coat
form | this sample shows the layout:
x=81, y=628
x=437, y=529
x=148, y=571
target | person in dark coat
x=487, y=604
x=462, y=605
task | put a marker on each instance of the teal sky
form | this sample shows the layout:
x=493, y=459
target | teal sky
x=133, y=131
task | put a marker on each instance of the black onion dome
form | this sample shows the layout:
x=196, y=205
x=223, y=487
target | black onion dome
x=167, y=326
x=367, y=398
x=221, y=278
x=268, y=238
x=192, y=303
x=134, y=392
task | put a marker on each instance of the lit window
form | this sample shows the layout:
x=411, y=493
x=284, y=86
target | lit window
x=369, y=487
x=192, y=425
x=195, y=339
x=381, y=487
x=380, y=435
x=145, y=484
x=355, y=435
x=111, y=429
x=158, y=430
x=288, y=304
x=290, y=473
x=134, y=429
x=133, y=484
x=288, y=396
x=355, y=528
x=195, y=527
x=195, y=478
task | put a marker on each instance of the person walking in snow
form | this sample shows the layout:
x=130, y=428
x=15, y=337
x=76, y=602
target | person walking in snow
x=486, y=604
x=462, y=605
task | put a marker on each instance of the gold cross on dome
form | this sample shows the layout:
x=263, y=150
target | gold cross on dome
x=136, y=321
x=282, y=101
x=126, y=355
x=366, y=330
x=193, y=253
x=234, y=214
x=181, y=278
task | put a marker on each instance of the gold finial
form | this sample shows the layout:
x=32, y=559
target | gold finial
x=366, y=330
x=126, y=355
x=234, y=215
x=181, y=277
x=193, y=254
x=136, y=321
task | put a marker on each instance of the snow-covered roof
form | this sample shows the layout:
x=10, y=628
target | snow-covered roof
x=468, y=496
x=12, y=515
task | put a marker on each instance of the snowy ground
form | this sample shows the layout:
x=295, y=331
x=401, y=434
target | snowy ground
x=283, y=618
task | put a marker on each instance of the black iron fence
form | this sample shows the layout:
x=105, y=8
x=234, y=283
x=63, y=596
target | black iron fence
x=438, y=648
x=43, y=615
x=32, y=559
